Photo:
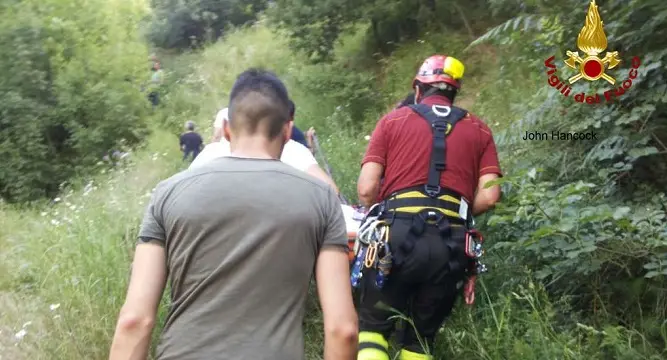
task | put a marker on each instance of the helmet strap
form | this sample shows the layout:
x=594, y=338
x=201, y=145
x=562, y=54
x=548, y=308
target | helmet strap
x=424, y=91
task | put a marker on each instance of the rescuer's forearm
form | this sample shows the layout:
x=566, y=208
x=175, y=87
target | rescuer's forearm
x=482, y=203
x=340, y=347
x=335, y=293
x=132, y=338
x=368, y=193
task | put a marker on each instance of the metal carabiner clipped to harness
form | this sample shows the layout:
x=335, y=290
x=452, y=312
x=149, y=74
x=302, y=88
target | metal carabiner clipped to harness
x=371, y=255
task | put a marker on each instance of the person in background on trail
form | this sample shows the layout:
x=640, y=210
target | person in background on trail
x=191, y=142
x=297, y=134
x=431, y=207
x=239, y=239
x=154, y=84
x=114, y=157
x=293, y=154
x=154, y=60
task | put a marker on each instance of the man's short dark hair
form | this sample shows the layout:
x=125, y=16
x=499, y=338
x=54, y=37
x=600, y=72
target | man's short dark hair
x=292, y=109
x=259, y=102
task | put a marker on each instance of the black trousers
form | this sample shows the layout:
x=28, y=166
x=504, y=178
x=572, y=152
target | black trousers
x=154, y=98
x=424, y=287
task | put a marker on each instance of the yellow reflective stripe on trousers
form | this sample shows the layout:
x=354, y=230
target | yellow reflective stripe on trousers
x=409, y=355
x=377, y=340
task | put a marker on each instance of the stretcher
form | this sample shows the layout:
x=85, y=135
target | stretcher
x=352, y=220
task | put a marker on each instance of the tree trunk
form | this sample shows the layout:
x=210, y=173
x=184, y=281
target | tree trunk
x=466, y=23
x=376, y=35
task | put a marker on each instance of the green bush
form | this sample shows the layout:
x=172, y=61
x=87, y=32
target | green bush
x=67, y=91
x=588, y=217
x=193, y=23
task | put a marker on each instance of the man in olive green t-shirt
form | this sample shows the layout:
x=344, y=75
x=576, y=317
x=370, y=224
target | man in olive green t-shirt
x=239, y=238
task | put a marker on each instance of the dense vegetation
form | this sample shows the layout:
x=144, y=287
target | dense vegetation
x=193, y=23
x=69, y=90
x=578, y=247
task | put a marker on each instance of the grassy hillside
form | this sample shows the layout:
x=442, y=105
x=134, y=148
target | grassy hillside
x=65, y=266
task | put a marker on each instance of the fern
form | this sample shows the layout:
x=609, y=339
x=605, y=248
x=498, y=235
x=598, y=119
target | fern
x=530, y=22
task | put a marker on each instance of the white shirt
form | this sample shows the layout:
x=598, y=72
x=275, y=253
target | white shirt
x=294, y=154
x=220, y=118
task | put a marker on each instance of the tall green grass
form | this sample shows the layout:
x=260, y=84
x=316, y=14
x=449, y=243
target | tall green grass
x=64, y=267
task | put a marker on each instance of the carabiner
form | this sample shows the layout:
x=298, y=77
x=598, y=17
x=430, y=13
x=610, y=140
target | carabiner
x=371, y=255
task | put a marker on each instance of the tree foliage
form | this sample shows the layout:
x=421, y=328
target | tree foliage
x=589, y=216
x=186, y=23
x=66, y=90
x=315, y=26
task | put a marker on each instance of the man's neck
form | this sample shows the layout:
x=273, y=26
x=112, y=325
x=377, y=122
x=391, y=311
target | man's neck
x=255, y=148
x=434, y=99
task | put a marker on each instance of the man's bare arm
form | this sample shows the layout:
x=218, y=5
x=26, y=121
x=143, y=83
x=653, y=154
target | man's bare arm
x=316, y=171
x=137, y=316
x=368, y=185
x=340, y=319
x=486, y=199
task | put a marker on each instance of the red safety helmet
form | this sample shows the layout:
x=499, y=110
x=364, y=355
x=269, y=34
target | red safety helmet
x=440, y=69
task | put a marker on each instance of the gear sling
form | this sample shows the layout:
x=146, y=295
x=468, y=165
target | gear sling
x=423, y=206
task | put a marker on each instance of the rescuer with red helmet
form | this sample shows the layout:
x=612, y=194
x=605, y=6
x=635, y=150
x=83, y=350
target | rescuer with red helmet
x=417, y=246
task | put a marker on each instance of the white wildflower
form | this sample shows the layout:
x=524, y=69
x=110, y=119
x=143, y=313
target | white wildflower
x=56, y=199
x=367, y=137
x=55, y=222
x=20, y=335
x=53, y=307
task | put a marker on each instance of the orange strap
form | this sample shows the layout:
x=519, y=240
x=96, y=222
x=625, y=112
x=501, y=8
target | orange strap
x=469, y=290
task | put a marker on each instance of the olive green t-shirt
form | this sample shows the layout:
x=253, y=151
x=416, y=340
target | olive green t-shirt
x=241, y=237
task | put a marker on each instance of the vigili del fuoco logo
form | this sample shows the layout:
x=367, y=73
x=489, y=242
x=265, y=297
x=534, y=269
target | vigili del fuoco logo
x=592, y=41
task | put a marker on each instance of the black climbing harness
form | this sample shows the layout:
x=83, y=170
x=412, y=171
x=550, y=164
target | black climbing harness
x=427, y=205
x=442, y=119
